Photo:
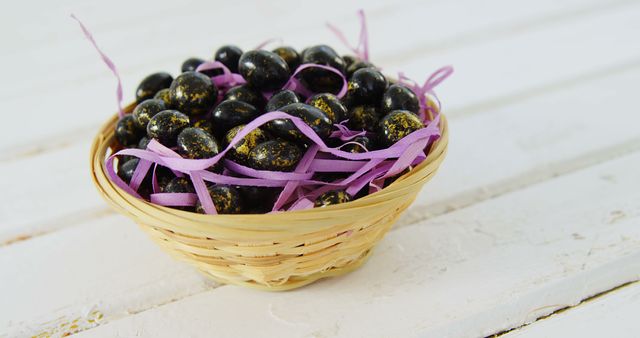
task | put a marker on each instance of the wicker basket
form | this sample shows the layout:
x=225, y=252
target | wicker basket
x=278, y=251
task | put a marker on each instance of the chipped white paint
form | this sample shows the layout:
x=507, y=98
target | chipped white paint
x=476, y=271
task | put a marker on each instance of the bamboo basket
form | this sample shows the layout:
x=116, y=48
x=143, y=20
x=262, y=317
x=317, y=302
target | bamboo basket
x=278, y=251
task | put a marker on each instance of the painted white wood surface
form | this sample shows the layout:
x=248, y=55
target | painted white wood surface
x=473, y=272
x=550, y=88
x=611, y=315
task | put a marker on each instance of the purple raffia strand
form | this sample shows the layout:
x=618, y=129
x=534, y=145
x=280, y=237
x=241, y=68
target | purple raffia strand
x=427, y=87
x=174, y=199
x=107, y=61
x=227, y=79
x=295, y=85
x=291, y=186
x=346, y=134
x=362, y=49
x=268, y=41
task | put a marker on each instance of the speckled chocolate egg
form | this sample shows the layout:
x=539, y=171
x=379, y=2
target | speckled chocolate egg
x=281, y=99
x=290, y=56
x=312, y=116
x=321, y=80
x=263, y=70
x=275, y=155
x=190, y=64
x=398, y=97
x=229, y=114
x=330, y=105
x=145, y=110
x=127, y=132
x=240, y=151
x=227, y=200
x=355, y=148
x=396, y=125
x=363, y=117
x=204, y=124
x=366, y=86
x=246, y=94
x=229, y=56
x=332, y=197
x=166, y=125
x=359, y=64
x=179, y=185
x=193, y=93
x=164, y=95
x=196, y=143
x=126, y=168
x=151, y=84
x=144, y=142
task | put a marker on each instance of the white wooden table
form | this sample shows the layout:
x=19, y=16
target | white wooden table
x=535, y=213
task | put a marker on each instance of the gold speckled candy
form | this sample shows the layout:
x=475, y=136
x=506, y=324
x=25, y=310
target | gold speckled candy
x=275, y=155
x=332, y=197
x=398, y=97
x=166, y=125
x=151, y=84
x=193, y=93
x=163, y=94
x=355, y=148
x=195, y=143
x=281, y=99
x=226, y=199
x=240, y=151
x=312, y=116
x=263, y=70
x=366, y=86
x=204, y=124
x=246, y=94
x=127, y=133
x=145, y=110
x=231, y=113
x=330, y=105
x=396, y=125
x=289, y=55
x=363, y=118
x=229, y=56
x=320, y=80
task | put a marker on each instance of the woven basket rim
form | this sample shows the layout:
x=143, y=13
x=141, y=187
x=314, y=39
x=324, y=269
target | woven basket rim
x=105, y=137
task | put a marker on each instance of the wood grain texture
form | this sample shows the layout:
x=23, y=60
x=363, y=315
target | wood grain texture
x=473, y=272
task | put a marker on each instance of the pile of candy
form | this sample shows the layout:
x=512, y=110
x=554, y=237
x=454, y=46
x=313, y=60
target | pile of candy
x=260, y=131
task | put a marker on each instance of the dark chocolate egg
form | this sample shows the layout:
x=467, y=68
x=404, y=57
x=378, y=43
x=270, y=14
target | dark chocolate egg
x=240, y=151
x=290, y=56
x=359, y=64
x=398, y=97
x=127, y=132
x=204, y=124
x=396, y=125
x=193, y=93
x=355, y=148
x=349, y=60
x=196, y=143
x=229, y=56
x=258, y=200
x=166, y=125
x=190, y=64
x=127, y=168
x=321, y=80
x=151, y=84
x=144, y=142
x=330, y=105
x=332, y=197
x=145, y=110
x=263, y=70
x=179, y=185
x=281, y=99
x=312, y=116
x=165, y=96
x=275, y=155
x=246, y=94
x=227, y=200
x=363, y=117
x=366, y=86
x=229, y=114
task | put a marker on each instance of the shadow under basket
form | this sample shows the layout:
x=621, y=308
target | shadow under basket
x=277, y=251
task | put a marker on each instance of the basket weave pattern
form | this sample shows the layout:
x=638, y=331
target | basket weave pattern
x=276, y=251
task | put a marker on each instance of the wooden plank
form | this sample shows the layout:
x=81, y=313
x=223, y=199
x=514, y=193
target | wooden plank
x=470, y=273
x=86, y=77
x=510, y=134
x=614, y=314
